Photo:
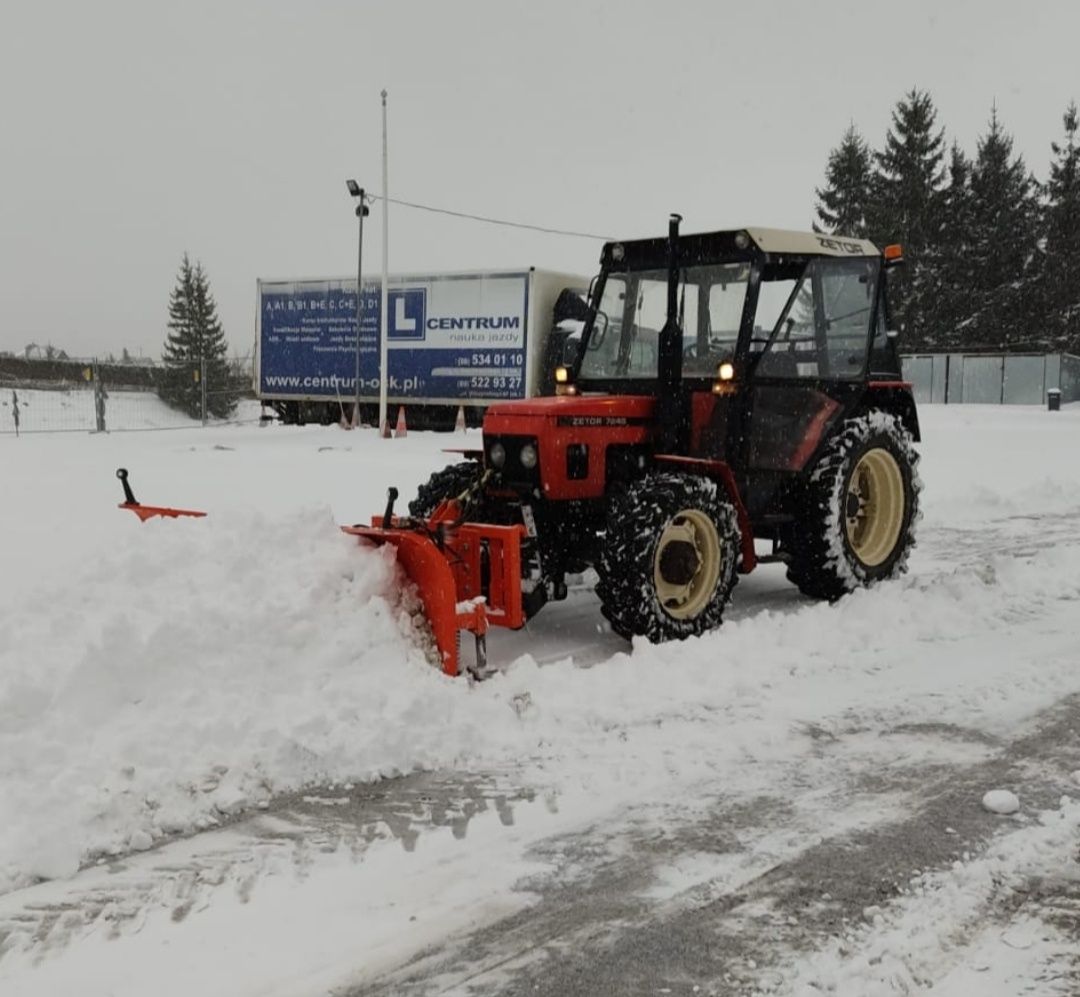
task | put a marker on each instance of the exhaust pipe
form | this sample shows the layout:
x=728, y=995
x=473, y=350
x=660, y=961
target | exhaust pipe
x=670, y=407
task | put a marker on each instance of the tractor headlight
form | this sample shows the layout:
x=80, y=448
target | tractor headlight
x=563, y=384
x=725, y=379
x=497, y=455
x=528, y=456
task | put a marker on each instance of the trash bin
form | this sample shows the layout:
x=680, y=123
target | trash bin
x=1053, y=400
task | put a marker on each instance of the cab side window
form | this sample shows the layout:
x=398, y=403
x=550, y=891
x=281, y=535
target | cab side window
x=823, y=330
x=848, y=293
x=792, y=347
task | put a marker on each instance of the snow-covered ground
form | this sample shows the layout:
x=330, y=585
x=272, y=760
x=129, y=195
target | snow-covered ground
x=159, y=678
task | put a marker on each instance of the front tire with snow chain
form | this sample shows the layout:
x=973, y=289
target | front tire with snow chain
x=668, y=562
x=450, y=482
x=858, y=509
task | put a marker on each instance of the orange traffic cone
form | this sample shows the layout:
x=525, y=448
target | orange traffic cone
x=401, y=429
x=459, y=423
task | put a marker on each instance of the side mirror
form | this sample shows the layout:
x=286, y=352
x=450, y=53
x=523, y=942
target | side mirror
x=571, y=349
x=569, y=305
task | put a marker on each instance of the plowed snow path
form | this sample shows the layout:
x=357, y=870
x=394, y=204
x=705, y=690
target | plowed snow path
x=762, y=834
x=698, y=815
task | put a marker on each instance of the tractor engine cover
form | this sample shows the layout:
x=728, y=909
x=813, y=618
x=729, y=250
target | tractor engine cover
x=570, y=437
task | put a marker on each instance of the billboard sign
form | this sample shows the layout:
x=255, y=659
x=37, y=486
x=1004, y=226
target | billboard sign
x=451, y=338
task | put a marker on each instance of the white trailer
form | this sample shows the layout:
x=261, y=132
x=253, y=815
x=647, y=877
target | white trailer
x=454, y=339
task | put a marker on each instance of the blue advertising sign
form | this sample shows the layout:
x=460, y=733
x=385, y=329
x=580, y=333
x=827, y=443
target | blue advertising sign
x=453, y=338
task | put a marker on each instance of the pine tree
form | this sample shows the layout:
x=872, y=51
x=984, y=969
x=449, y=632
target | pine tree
x=949, y=270
x=1061, y=261
x=1004, y=253
x=844, y=202
x=906, y=205
x=195, y=337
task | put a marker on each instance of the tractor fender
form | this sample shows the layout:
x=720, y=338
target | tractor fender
x=721, y=472
x=895, y=397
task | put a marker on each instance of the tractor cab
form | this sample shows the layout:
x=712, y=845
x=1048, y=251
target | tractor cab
x=772, y=334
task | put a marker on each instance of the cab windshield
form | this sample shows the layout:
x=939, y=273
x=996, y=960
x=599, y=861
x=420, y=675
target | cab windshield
x=624, y=340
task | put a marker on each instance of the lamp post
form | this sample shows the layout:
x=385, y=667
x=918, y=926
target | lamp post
x=361, y=212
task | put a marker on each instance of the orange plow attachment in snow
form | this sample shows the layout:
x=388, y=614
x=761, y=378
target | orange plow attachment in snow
x=145, y=512
x=467, y=575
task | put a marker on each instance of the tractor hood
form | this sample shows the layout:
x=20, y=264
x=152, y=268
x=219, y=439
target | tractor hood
x=569, y=410
x=559, y=447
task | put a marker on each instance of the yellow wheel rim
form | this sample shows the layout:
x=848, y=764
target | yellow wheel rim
x=686, y=564
x=874, y=507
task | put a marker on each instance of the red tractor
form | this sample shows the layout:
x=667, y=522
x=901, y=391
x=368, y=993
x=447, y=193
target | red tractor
x=722, y=388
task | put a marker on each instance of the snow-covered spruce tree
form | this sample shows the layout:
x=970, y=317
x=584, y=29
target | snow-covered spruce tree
x=949, y=271
x=844, y=202
x=1060, y=278
x=906, y=208
x=195, y=335
x=1004, y=251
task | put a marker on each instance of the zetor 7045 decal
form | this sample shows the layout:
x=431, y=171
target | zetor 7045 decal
x=719, y=389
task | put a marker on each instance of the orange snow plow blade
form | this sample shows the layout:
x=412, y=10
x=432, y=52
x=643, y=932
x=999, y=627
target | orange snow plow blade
x=145, y=512
x=467, y=575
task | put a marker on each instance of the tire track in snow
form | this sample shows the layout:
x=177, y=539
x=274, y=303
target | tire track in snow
x=575, y=629
x=182, y=876
x=596, y=934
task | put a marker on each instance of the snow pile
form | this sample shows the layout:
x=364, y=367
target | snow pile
x=215, y=662
x=210, y=665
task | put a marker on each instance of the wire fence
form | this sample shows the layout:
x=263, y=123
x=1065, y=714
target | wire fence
x=58, y=396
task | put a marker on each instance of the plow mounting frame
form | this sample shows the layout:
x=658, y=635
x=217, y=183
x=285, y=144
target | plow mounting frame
x=467, y=575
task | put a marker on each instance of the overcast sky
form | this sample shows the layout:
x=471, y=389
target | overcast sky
x=131, y=132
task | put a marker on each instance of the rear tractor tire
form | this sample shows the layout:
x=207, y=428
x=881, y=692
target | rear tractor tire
x=450, y=482
x=668, y=562
x=858, y=509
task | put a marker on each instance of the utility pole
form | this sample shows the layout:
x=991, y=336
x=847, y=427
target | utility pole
x=384, y=366
x=361, y=212
x=202, y=381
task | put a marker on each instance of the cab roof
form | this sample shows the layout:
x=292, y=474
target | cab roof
x=778, y=240
x=703, y=247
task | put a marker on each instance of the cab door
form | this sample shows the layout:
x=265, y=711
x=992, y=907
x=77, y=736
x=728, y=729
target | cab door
x=711, y=337
x=812, y=362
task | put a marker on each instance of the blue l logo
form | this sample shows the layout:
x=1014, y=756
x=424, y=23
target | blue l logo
x=408, y=313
